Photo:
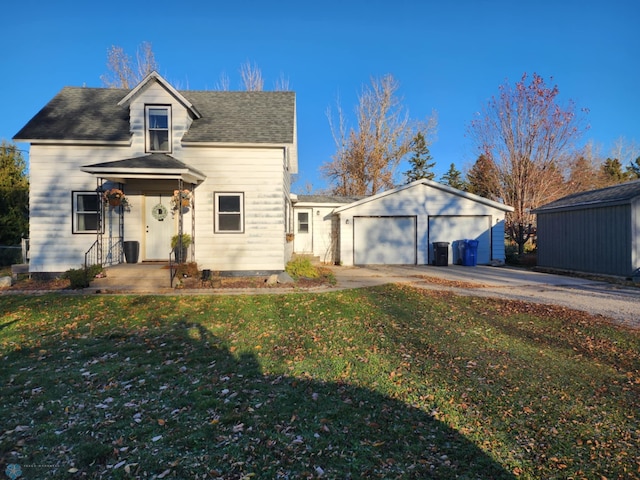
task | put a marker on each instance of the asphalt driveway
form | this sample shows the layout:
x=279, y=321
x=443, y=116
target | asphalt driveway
x=619, y=303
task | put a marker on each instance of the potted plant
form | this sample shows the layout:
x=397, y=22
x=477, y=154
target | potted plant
x=181, y=247
x=115, y=197
x=181, y=199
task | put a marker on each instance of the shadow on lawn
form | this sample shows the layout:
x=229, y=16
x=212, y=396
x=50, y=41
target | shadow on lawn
x=171, y=401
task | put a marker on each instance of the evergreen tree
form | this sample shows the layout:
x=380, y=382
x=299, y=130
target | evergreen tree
x=420, y=161
x=612, y=171
x=14, y=195
x=633, y=170
x=482, y=179
x=453, y=178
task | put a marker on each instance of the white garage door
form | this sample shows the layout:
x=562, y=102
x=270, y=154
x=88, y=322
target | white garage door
x=460, y=227
x=384, y=240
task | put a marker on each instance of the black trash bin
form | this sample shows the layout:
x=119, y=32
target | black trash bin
x=441, y=254
x=131, y=251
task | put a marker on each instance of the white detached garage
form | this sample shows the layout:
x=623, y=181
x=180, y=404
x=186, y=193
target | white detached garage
x=399, y=226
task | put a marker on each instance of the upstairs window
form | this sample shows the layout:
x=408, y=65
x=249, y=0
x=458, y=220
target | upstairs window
x=158, y=119
x=229, y=212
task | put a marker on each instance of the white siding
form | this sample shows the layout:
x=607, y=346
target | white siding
x=54, y=173
x=257, y=173
x=325, y=233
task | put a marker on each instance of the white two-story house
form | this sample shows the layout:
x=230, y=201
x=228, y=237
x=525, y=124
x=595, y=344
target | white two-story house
x=231, y=153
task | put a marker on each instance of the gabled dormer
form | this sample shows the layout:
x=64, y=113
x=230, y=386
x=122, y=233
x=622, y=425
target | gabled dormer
x=159, y=115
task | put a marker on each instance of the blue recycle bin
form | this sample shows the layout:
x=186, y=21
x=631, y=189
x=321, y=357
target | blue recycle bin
x=470, y=253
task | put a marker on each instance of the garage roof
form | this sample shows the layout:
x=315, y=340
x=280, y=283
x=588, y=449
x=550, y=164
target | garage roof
x=432, y=184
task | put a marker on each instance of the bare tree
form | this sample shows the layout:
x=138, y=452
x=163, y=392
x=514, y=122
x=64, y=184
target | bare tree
x=251, y=77
x=625, y=151
x=223, y=83
x=123, y=72
x=282, y=84
x=367, y=156
x=529, y=136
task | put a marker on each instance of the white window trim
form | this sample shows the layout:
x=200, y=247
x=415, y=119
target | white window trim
x=216, y=213
x=75, y=212
x=147, y=128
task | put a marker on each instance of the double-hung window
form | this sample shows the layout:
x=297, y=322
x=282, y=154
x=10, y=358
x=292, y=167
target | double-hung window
x=229, y=213
x=158, y=121
x=86, y=207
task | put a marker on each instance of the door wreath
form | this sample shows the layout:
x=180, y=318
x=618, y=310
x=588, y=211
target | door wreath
x=159, y=212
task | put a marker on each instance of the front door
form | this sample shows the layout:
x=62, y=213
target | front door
x=304, y=231
x=160, y=227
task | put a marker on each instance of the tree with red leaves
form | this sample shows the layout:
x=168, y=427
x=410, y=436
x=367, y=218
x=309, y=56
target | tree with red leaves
x=529, y=136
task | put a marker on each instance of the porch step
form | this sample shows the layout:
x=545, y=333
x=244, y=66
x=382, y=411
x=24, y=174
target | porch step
x=136, y=277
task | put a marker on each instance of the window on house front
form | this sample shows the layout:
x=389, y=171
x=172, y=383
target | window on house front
x=86, y=207
x=229, y=208
x=158, y=119
x=303, y=222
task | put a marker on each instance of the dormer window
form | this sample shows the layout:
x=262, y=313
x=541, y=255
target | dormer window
x=158, y=119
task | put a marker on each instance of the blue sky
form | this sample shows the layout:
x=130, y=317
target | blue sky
x=448, y=56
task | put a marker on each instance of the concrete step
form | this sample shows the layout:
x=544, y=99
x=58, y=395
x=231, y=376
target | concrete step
x=136, y=277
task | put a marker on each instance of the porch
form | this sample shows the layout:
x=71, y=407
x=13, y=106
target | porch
x=151, y=277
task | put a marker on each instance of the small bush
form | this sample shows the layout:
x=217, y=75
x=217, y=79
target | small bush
x=81, y=278
x=302, y=268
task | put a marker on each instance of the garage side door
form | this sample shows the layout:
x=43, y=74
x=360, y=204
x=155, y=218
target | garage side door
x=384, y=240
x=450, y=228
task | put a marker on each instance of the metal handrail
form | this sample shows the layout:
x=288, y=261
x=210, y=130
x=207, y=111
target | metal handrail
x=91, y=255
x=173, y=266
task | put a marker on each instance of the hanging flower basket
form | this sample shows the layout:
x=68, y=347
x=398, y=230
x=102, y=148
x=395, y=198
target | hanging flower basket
x=115, y=197
x=181, y=198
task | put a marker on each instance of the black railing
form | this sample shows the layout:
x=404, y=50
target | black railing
x=91, y=256
x=173, y=266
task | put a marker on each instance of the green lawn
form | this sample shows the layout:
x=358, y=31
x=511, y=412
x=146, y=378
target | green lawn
x=386, y=382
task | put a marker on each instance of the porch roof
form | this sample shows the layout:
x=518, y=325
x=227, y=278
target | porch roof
x=153, y=166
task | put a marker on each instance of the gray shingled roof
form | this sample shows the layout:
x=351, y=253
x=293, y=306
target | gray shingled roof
x=616, y=194
x=328, y=199
x=80, y=114
x=93, y=114
x=156, y=161
x=242, y=117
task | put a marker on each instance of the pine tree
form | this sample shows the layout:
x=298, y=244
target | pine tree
x=612, y=171
x=482, y=179
x=420, y=161
x=453, y=178
x=633, y=170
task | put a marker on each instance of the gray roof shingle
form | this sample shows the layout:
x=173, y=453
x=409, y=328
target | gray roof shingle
x=328, y=199
x=80, y=114
x=616, y=194
x=93, y=114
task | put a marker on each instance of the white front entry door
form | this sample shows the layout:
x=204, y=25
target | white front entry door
x=160, y=227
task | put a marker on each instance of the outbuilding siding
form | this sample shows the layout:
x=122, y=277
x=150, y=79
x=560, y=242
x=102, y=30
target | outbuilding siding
x=597, y=231
x=592, y=240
